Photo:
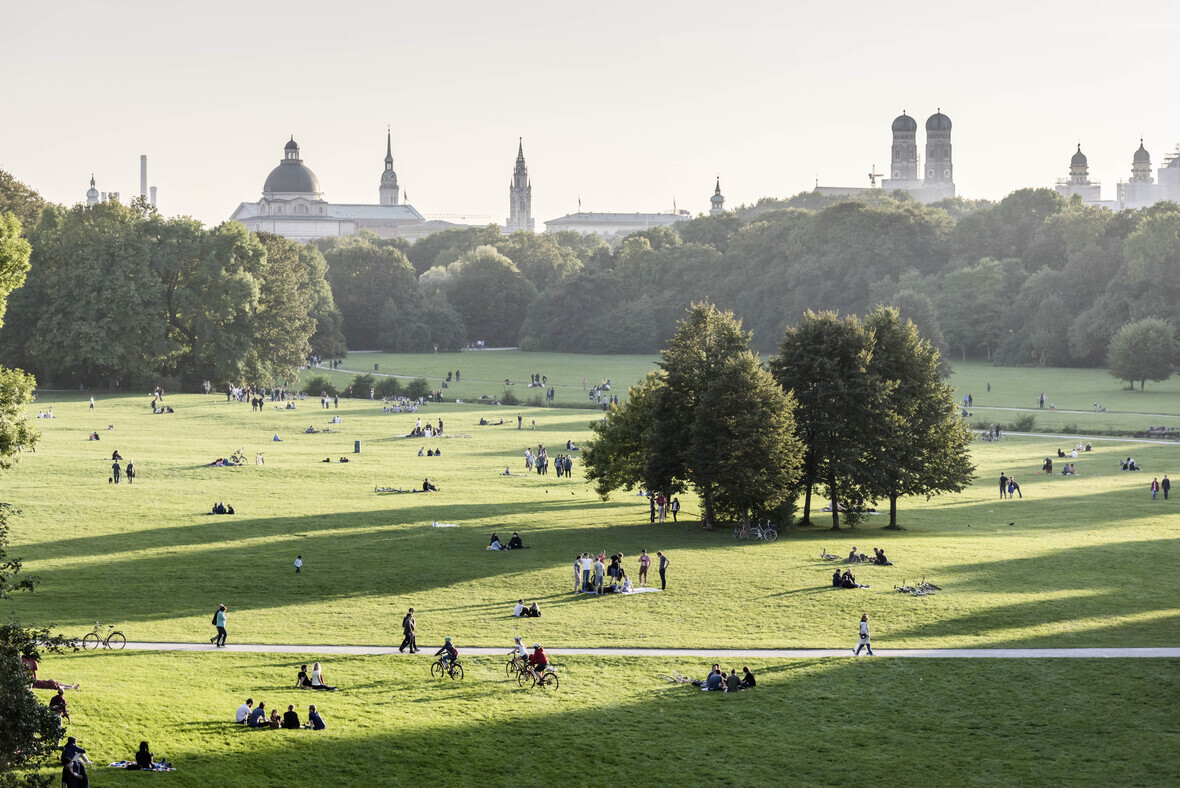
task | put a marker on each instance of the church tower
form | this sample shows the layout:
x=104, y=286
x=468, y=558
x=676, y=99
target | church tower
x=939, y=170
x=388, y=189
x=717, y=202
x=1141, y=166
x=91, y=193
x=1079, y=168
x=904, y=155
x=520, y=196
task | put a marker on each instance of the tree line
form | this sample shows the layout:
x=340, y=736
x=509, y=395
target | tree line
x=856, y=410
x=116, y=291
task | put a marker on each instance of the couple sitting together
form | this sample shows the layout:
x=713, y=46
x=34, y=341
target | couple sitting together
x=515, y=543
x=520, y=611
x=846, y=580
x=313, y=682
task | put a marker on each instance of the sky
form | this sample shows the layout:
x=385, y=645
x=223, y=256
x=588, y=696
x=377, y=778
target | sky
x=627, y=106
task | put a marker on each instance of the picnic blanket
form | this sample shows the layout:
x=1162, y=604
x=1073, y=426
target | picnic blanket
x=156, y=767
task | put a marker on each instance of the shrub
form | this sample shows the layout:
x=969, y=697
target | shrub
x=389, y=387
x=509, y=398
x=317, y=385
x=536, y=401
x=418, y=387
x=362, y=383
x=1025, y=423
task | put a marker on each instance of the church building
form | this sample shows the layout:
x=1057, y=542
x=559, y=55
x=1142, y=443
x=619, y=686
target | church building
x=294, y=207
x=520, y=196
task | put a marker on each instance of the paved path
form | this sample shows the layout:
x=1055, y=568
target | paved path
x=767, y=653
x=1088, y=438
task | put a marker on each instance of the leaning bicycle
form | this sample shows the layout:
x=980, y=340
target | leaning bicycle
x=454, y=669
x=113, y=639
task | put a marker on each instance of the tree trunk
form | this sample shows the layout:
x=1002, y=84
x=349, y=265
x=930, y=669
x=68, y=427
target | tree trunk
x=807, y=505
x=707, y=500
x=835, y=504
x=892, y=510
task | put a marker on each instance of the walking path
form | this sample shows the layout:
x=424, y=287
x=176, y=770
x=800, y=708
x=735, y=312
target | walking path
x=767, y=653
x=1089, y=438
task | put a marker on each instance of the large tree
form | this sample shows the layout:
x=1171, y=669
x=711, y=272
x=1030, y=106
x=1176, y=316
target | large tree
x=824, y=360
x=366, y=277
x=922, y=442
x=491, y=295
x=16, y=388
x=1142, y=351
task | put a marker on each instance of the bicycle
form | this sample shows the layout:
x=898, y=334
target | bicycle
x=766, y=531
x=454, y=670
x=674, y=678
x=238, y=457
x=516, y=665
x=114, y=639
x=546, y=679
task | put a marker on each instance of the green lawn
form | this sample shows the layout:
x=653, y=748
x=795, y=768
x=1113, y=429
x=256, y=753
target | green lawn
x=809, y=722
x=1079, y=562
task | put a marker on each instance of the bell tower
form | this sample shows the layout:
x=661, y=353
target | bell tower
x=389, y=189
x=520, y=195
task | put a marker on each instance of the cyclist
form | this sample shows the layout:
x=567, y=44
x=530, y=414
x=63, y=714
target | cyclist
x=520, y=655
x=448, y=653
x=538, y=661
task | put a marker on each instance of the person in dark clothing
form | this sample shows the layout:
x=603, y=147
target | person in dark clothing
x=257, y=718
x=652, y=500
x=1003, y=484
x=515, y=543
x=143, y=756
x=72, y=750
x=836, y=579
x=748, y=678
x=303, y=681
x=663, y=568
x=73, y=775
x=57, y=704
x=291, y=718
x=116, y=471
x=1166, y=485
x=130, y=472
x=428, y=487
x=408, y=629
x=314, y=720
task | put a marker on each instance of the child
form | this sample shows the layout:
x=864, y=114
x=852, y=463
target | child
x=298, y=564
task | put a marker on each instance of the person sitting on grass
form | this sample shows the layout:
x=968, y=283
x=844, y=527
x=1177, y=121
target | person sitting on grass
x=314, y=720
x=303, y=681
x=257, y=717
x=836, y=579
x=849, y=581
x=732, y=682
x=291, y=718
x=57, y=704
x=748, y=678
x=856, y=555
x=243, y=713
x=427, y=486
x=317, y=679
x=276, y=720
x=715, y=683
x=515, y=543
x=520, y=611
x=879, y=557
x=534, y=611
x=495, y=545
x=143, y=758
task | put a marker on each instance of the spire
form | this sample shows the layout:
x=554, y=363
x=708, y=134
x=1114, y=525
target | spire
x=388, y=146
x=92, y=174
x=718, y=189
x=520, y=149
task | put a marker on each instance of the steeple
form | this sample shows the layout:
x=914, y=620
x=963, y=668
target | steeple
x=520, y=195
x=91, y=193
x=717, y=202
x=389, y=190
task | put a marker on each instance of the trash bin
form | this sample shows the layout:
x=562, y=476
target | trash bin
x=356, y=447
x=375, y=367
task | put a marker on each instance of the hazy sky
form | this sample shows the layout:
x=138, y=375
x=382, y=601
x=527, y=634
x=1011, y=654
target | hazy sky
x=627, y=105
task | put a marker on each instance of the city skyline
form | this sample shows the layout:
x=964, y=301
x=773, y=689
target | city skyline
x=625, y=108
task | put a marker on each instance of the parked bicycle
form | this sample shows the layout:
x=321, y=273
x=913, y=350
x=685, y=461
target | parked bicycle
x=454, y=670
x=113, y=639
x=760, y=529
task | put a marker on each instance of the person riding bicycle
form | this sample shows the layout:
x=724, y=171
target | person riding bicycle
x=538, y=661
x=520, y=655
x=448, y=653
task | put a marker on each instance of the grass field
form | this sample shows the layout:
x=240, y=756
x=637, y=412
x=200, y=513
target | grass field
x=809, y=722
x=1079, y=561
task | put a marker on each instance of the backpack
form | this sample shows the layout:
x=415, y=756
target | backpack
x=214, y=622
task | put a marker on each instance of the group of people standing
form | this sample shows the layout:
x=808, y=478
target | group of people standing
x=591, y=573
x=1008, y=486
x=661, y=507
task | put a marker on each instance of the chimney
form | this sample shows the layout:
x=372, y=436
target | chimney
x=143, y=192
x=153, y=195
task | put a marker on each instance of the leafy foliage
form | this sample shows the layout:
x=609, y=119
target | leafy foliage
x=1144, y=350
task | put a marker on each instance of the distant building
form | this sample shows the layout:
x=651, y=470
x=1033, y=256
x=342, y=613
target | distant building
x=91, y=193
x=613, y=225
x=938, y=180
x=520, y=196
x=1079, y=181
x=717, y=201
x=293, y=206
x=1142, y=191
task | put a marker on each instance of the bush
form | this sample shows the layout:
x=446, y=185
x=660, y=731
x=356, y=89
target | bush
x=531, y=345
x=389, y=387
x=418, y=387
x=536, y=401
x=361, y=385
x=1025, y=423
x=509, y=398
x=317, y=385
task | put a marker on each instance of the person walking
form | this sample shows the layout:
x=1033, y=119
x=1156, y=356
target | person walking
x=131, y=472
x=410, y=639
x=219, y=622
x=298, y=564
x=519, y=420
x=1166, y=485
x=115, y=470
x=1003, y=485
x=92, y=403
x=664, y=561
x=1013, y=487
x=864, y=637
x=674, y=507
x=1155, y=488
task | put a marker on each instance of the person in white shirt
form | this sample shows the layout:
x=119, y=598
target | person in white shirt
x=864, y=636
x=520, y=655
x=317, y=679
x=244, y=711
x=520, y=609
